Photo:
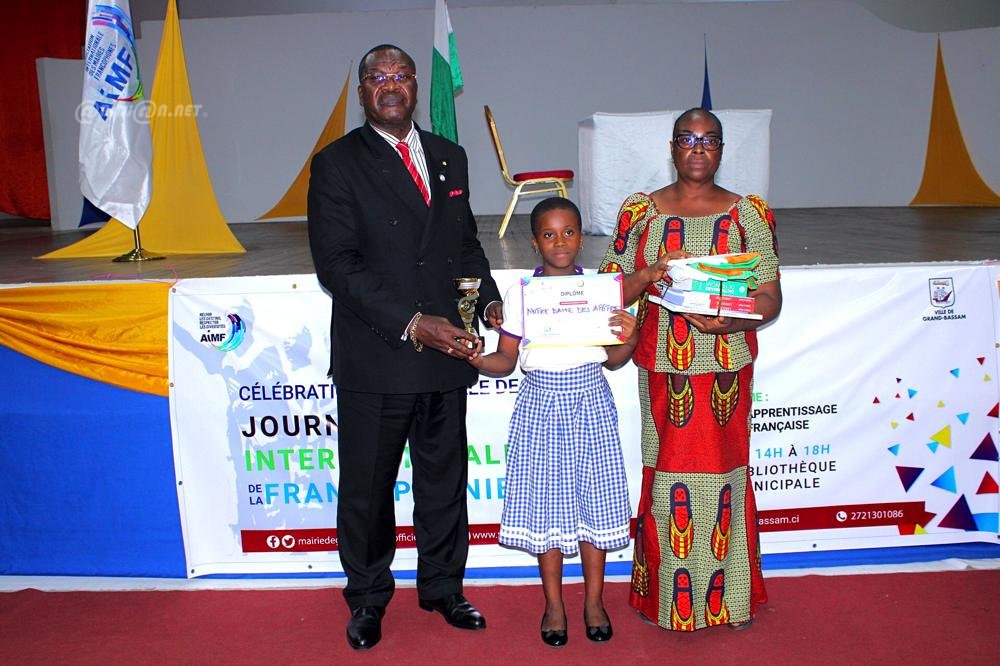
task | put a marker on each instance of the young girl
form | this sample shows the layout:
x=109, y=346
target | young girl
x=566, y=490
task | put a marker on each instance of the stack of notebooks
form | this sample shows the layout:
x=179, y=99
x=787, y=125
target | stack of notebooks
x=715, y=285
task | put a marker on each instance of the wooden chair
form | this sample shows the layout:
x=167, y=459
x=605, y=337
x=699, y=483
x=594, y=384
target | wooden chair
x=537, y=182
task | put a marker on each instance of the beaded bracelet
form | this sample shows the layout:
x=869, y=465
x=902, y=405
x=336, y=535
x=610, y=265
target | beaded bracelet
x=419, y=346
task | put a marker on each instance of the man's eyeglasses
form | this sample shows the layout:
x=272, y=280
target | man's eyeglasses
x=689, y=141
x=379, y=79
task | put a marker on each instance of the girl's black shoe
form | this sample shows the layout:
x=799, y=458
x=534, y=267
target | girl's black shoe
x=599, y=634
x=554, y=637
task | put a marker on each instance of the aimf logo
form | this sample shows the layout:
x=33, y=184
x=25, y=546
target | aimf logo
x=224, y=332
x=942, y=292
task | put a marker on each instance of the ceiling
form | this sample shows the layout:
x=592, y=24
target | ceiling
x=916, y=15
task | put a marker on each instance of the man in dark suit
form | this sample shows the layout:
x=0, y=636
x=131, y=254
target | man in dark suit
x=390, y=229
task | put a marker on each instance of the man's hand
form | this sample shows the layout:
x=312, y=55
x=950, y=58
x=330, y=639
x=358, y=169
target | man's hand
x=439, y=333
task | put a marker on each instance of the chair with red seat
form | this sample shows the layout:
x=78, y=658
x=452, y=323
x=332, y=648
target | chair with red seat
x=537, y=181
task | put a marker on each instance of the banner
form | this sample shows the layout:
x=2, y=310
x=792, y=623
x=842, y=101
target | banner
x=115, y=143
x=875, y=408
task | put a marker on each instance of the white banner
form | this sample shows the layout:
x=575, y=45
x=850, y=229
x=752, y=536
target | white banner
x=875, y=415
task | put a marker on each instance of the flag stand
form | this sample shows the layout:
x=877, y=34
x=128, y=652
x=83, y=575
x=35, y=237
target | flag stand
x=136, y=253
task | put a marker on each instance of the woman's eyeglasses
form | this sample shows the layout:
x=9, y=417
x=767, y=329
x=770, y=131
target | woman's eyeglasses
x=689, y=141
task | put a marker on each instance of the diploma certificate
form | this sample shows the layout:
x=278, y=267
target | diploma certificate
x=570, y=310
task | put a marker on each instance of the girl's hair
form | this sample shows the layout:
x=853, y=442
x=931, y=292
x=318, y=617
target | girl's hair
x=552, y=203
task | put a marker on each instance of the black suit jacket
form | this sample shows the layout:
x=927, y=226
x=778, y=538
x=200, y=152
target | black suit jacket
x=384, y=256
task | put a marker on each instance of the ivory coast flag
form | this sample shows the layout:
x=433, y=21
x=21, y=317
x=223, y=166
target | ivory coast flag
x=446, y=75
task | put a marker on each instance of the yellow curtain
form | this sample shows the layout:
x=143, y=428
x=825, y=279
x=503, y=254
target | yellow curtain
x=293, y=204
x=114, y=333
x=183, y=215
x=950, y=177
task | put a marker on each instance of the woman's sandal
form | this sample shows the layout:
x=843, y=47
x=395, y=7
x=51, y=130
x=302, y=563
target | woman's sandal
x=740, y=626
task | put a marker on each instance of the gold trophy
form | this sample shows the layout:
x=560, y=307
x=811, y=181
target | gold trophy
x=469, y=288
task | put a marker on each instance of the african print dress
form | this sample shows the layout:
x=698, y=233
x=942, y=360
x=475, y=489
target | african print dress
x=696, y=561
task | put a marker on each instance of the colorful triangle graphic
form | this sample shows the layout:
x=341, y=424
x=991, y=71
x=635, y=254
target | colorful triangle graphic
x=910, y=417
x=988, y=486
x=940, y=403
x=981, y=359
x=911, y=392
x=986, y=450
x=963, y=417
x=876, y=401
x=932, y=446
x=995, y=411
x=943, y=436
x=946, y=481
x=894, y=449
x=908, y=475
x=959, y=517
x=955, y=371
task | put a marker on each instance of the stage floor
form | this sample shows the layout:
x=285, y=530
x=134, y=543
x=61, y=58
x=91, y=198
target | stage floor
x=807, y=236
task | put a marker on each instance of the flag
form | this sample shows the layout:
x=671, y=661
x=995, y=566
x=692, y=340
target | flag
x=706, y=91
x=446, y=75
x=115, y=143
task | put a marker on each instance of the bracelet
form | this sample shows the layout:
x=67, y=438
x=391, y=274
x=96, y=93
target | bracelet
x=419, y=346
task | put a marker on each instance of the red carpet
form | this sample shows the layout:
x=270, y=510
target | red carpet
x=915, y=618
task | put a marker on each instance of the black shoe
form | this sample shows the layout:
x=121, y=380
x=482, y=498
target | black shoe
x=365, y=627
x=554, y=637
x=456, y=611
x=599, y=634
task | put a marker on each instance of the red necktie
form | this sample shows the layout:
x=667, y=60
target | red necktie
x=404, y=150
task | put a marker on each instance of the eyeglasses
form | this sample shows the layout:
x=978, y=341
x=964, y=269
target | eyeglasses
x=379, y=79
x=689, y=141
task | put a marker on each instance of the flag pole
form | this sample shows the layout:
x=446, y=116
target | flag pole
x=136, y=253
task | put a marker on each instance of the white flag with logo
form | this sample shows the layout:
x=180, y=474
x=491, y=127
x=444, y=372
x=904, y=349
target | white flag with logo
x=115, y=143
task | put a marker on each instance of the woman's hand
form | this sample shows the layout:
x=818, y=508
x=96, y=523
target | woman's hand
x=660, y=267
x=716, y=325
x=635, y=283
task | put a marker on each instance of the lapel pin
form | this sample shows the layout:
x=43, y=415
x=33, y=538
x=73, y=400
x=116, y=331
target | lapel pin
x=441, y=177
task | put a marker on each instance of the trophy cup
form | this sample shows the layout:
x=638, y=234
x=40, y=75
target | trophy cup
x=469, y=288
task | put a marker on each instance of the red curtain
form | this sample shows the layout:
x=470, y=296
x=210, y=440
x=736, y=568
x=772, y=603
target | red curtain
x=50, y=29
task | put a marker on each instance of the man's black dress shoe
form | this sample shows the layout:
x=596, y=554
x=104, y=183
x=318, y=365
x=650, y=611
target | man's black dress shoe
x=456, y=611
x=365, y=628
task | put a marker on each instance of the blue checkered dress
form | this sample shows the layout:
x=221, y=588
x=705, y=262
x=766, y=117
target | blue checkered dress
x=565, y=473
